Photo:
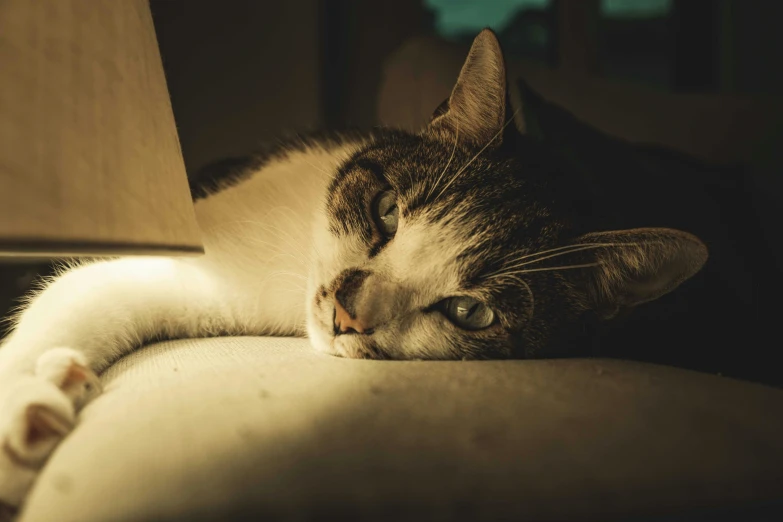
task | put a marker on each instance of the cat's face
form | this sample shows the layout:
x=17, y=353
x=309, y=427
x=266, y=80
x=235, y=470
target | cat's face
x=414, y=252
x=448, y=245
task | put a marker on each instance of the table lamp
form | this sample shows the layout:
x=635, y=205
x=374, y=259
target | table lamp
x=90, y=162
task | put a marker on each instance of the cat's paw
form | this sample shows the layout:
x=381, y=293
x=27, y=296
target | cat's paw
x=69, y=371
x=36, y=412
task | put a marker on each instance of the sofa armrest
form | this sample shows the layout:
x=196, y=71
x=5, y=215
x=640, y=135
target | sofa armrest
x=266, y=428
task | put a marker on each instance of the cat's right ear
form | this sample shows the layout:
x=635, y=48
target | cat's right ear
x=476, y=110
x=638, y=265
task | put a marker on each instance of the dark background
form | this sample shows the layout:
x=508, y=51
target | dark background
x=270, y=67
x=262, y=68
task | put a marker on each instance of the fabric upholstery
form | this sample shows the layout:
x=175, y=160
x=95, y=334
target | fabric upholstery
x=266, y=428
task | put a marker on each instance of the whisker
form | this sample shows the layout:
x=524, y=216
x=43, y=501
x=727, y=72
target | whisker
x=529, y=291
x=224, y=224
x=547, y=269
x=453, y=150
x=287, y=245
x=322, y=170
x=541, y=252
x=478, y=153
x=568, y=250
x=279, y=277
x=576, y=248
x=285, y=238
x=294, y=217
x=410, y=179
x=297, y=259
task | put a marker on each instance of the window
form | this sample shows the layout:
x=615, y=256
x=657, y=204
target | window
x=635, y=41
x=524, y=27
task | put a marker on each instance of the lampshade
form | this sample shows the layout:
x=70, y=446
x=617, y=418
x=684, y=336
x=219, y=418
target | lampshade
x=90, y=162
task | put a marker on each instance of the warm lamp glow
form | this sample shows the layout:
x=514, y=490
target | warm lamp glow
x=90, y=162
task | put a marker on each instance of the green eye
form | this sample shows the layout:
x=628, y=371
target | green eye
x=385, y=212
x=467, y=313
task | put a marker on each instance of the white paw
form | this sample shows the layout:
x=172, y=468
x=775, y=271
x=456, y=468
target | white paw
x=68, y=370
x=36, y=412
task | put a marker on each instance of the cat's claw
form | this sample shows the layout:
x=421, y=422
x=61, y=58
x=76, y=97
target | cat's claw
x=36, y=412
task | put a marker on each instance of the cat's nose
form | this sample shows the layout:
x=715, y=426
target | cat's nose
x=344, y=323
x=346, y=317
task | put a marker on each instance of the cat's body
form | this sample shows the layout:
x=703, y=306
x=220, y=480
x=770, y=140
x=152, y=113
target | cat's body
x=722, y=319
x=461, y=241
x=258, y=237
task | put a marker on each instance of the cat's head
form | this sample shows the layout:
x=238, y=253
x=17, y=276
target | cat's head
x=452, y=244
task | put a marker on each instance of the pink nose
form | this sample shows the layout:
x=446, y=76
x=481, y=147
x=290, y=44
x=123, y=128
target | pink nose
x=345, y=323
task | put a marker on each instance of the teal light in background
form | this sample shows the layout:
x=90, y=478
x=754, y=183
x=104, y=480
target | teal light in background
x=635, y=8
x=455, y=17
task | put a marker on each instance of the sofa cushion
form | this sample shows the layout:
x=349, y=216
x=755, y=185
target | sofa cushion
x=266, y=428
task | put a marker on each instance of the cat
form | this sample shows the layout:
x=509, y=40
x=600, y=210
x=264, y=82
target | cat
x=452, y=243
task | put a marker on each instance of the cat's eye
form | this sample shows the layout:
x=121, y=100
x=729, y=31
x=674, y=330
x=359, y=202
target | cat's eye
x=467, y=313
x=385, y=212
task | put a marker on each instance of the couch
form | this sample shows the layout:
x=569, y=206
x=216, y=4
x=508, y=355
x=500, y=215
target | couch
x=267, y=429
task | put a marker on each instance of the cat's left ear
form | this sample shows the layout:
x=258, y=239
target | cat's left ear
x=476, y=110
x=638, y=265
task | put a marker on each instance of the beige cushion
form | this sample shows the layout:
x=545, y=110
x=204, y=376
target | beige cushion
x=211, y=429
